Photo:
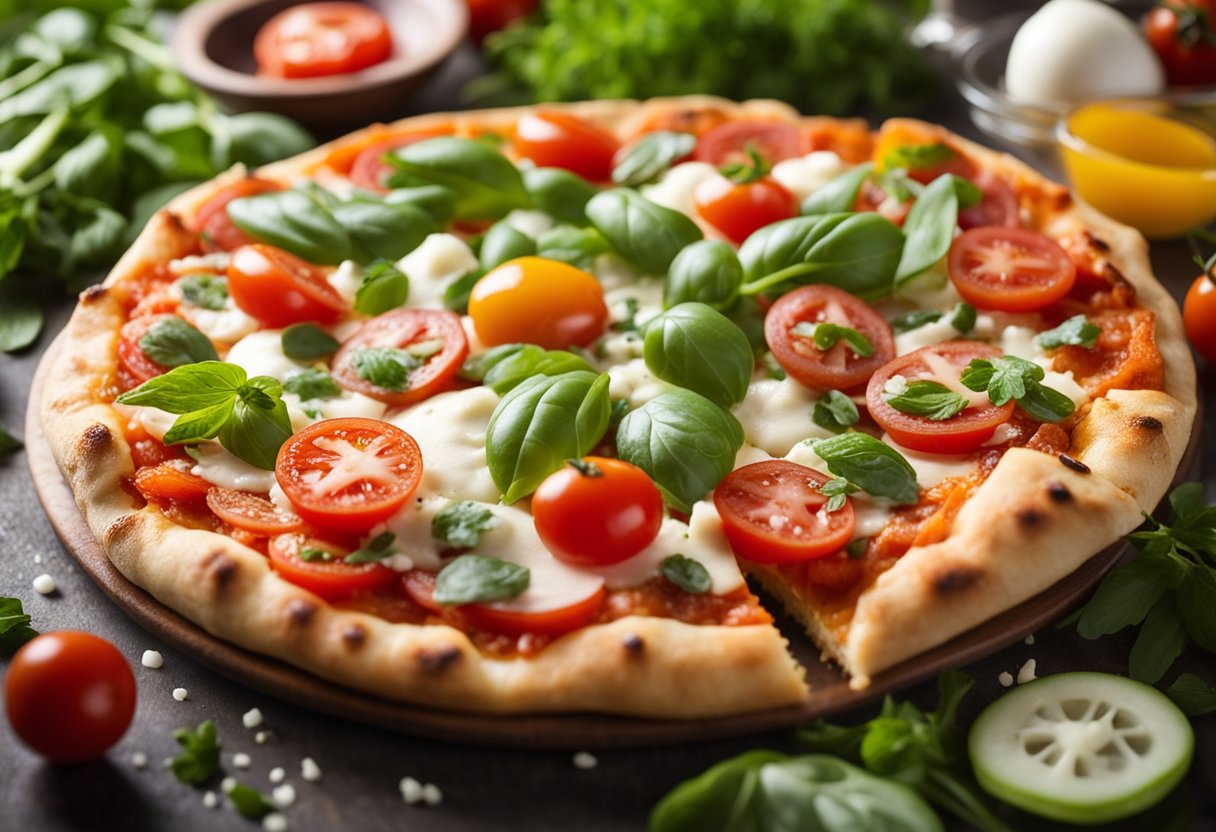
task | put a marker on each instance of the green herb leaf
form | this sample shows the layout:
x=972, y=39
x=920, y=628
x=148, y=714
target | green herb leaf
x=688, y=574
x=171, y=342
x=577, y=246
x=1197, y=601
x=387, y=367
x=559, y=193
x=460, y=524
x=1003, y=378
x=839, y=194
x=200, y=757
x=836, y=490
x=1162, y=639
x=1124, y=597
x=473, y=579
x=20, y=314
x=259, y=424
x=308, y=342
x=8, y=443
x=208, y=291
x=312, y=383
x=475, y=367
x=835, y=412
x=874, y=466
x=249, y=802
x=918, y=156
x=384, y=287
x=962, y=317
x=506, y=373
x=935, y=401
x=188, y=388
x=708, y=272
x=1077, y=331
x=15, y=629
x=1191, y=695
x=914, y=320
x=293, y=220
x=308, y=554
x=929, y=228
x=200, y=425
x=826, y=335
x=375, y=550
x=646, y=234
x=695, y=347
x=645, y=159
x=436, y=201
x=504, y=242
x=1045, y=403
x=744, y=173
x=486, y=184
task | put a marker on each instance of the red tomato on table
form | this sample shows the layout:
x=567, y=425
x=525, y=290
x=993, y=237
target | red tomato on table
x=1183, y=34
x=317, y=39
x=1009, y=269
x=486, y=16
x=1199, y=316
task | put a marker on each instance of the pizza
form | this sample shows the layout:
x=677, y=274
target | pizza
x=500, y=411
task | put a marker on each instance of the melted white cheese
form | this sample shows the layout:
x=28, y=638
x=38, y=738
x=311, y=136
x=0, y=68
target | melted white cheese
x=925, y=336
x=804, y=454
x=749, y=454
x=804, y=175
x=346, y=280
x=531, y=223
x=227, y=325
x=450, y=429
x=647, y=293
x=339, y=407
x=438, y=262
x=776, y=415
x=1021, y=341
x=214, y=263
x=675, y=188
x=871, y=514
x=614, y=273
x=633, y=382
x=218, y=467
x=155, y=422
x=261, y=354
x=412, y=526
x=618, y=348
x=933, y=468
x=931, y=289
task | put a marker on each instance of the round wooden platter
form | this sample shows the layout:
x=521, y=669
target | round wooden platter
x=830, y=692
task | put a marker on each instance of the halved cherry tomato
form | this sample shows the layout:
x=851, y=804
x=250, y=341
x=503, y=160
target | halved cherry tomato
x=280, y=289
x=1010, y=269
x=728, y=143
x=172, y=482
x=69, y=695
x=999, y=205
x=538, y=301
x=561, y=140
x=315, y=39
x=251, y=512
x=597, y=513
x=419, y=585
x=1183, y=34
x=739, y=209
x=328, y=579
x=840, y=368
x=217, y=230
x=773, y=512
x=147, y=451
x=940, y=362
x=550, y=622
x=486, y=16
x=369, y=168
x=440, y=332
x=133, y=362
x=347, y=475
x=1199, y=316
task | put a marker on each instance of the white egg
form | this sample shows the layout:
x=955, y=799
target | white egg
x=1074, y=50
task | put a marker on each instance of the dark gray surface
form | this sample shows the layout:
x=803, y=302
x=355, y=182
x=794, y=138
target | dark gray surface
x=483, y=788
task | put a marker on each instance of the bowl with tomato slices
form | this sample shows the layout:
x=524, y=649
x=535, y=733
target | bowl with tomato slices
x=330, y=65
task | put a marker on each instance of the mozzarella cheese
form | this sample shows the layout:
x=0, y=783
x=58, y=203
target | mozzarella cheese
x=749, y=454
x=619, y=348
x=647, y=293
x=925, y=336
x=438, y=262
x=675, y=188
x=214, y=263
x=346, y=280
x=227, y=325
x=933, y=468
x=261, y=354
x=219, y=467
x=804, y=175
x=412, y=526
x=776, y=415
x=931, y=289
x=633, y=382
x=338, y=407
x=870, y=515
x=614, y=273
x=531, y=223
x=450, y=430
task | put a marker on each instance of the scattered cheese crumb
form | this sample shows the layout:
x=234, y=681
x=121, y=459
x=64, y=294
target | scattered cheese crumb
x=277, y=774
x=1005, y=679
x=227, y=784
x=252, y=718
x=284, y=795
x=153, y=659
x=139, y=759
x=411, y=790
x=241, y=760
x=168, y=762
x=1026, y=674
x=309, y=770
x=261, y=736
x=180, y=694
x=210, y=800
x=583, y=760
x=1030, y=639
x=37, y=558
x=44, y=584
x=432, y=795
x=275, y=822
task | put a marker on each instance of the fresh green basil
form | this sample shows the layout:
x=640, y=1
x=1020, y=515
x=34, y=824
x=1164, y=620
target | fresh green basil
x=312, y=383
x=962, y=318
x=307, y=342
x=259, y=424
x=825, y=335
x=384, y=287
x=644, y=159
x=207, y=291
x=857, y=252
x=835, y=412
x=200, y=757
x=577, y=246
x=688, y=574
x=249, y=802
x=559, y=193
x=929, y=227
x=294, y=221
x=1077, y=331
x=1046, y=403
x=20, y=316
x=915, y=319
x=188, y=388
x=838, y=195
x=475, y=367
x=487, y=186
x=540, y=424
x=461, y=524
x=436, y=201
x=931, y=399
x=456, y=295
x=529, y=361
x=918, y=156
x=171, y=342
x=502, y=243
x=708, y=272
x=693, y=346
x=9, y=443
x=375, y=550
x=382, y=230
x=683, y=441
x=1009, y=377
x=837, y=490
x=874, y=466
x=645, y=234
x=476, y=579
x=15, y=629
x=387, y=367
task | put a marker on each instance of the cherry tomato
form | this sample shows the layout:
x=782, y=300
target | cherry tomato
x=728, y=143
x=280, y=289
x=999, y=205
x=347, y=475
x=316, y=39
x=439, y=338
x=133, y=362
x=332, y=579
x=941, y=362
x=550, y=622
x=251, y=512
x=597, y=513
x=1183, y=34
x=486, y=16
x=538, y=301
x=172, y=482
x=1010, y=269
x=739, y=209
x=1199, y=316
x=69, y=695
x=840, y=368
x=369, y=169
x=561, y=140
x=419, y=585
x=772, y=512
x=218, y=232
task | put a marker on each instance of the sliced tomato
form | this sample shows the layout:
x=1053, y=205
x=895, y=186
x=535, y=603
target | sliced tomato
x=561, y=140
x=773, y=512
x=728, y=143
x=328, y=579
x=217, y=231
x=998, y=206
x=347, y=475
x=437, y=336
x=147, y=451
x=419, y=585
x=550, y=622
x=1199, y=316
x=317, y=39
x=739, y=209
x=839, y=368
x=539, y=301
x=1010, y=269
x=486, y=16
x=251, y=512
x=172, y=483
x=943, y=363
x=369, y=170
x=280, y=289
x=134, y=365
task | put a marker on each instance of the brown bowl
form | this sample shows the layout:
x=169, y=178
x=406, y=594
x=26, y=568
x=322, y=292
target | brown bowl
x=213, y=45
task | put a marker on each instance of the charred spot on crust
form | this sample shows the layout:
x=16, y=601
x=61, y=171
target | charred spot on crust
x=1074, y=463
x=300, y=612
x=176, y=221
x=436, y=661
x=1096, y=241
x=95, y=440
x=1150, y=423
x=955, y=579
x=1115, y=276
x=1030, y=518
x=93, y=294
x=354, y=636
x=633, y=645
x=121, y=527
x=220, y=568
x=1058, y=492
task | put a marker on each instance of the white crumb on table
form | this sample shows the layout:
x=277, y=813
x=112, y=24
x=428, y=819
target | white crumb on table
x=275, y=822
x=180, y=694
x=1029, y=639
x=277, y=774
x=432, y=795
x=241, y=760
x=210, y=801
x=261, y=736
x=1006, y=679
x=1026, y=672
x=585, y=760
x=411, y=790
x=309, y=770
x=37, y=558
x=152, y=659
x=139, y=759
x=227, y=784
x=44, y=584
x=284, y=795
x=252, y=718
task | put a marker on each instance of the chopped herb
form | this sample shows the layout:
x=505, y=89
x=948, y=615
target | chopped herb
x=386, y=367
x=374, y=551
x=743, y=173
x=962, y=317
x=914, y=320
x=837, y=490
x=208, y=291
x=15, y=629
x=476, y=578
x=308, y=342
x=171, y=342
x=772, y=369
x=313, y=383
x=688, y=574
x=1077, y=331
x=835, y=412
x=826, y=335
x=629, y=322
x=308, y=554
x=384, y=287
x=857, y=548
x=1009, y=377
x=200, y=757
x=249, y=802
x=643, y=160
x=461, y=524
x=918, y=156
x=931, y=399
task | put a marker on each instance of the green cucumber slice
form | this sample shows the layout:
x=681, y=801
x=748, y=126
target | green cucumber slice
x=1084, y=748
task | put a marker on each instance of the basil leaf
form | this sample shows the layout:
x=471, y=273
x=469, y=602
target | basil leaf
x=200, y=757
x=1162, y=639
x=384, y=287
x=374, y=551
x=259, y=424
x=1123, y=598
x=258, y=139
x=486, y=184
x=312, y=383
x=8, y=443
x=436, y=201
x=914, y=320
x=386, y=367
x=199, y=425
x=826, y=335
x=208, y=291
x=683, y=441
x=1077, y=331
x=708, y=272
x=460, y=524
x=918, y=156
x=644, y=159
x=874, y=466
x=1196, y=601
x=1046, y=403
x=837, y=491
x=172, y=342
x=935, y=401
x=20, y=316
x=835, y=412
x=838, y=195
x=529, y=361
x=295, y=221
x=15, y=629
x=249, y=802
x=559, y=193
x=929, y=228
x=540, y=424
x=645, y=234
x=1004, y=378
x=456, y=295
x=1192, y=696
x=476, y=579
x=577, y=246
x=307, y=342
x=382, y=230
x=688, y=574
x=856, y=252
x=188, y=388
x=475, y=367
x=693, y=346
x=502, y=243
x=962, y=318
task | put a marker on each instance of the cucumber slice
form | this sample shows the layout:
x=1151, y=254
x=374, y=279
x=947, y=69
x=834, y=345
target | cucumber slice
x=1084, y=748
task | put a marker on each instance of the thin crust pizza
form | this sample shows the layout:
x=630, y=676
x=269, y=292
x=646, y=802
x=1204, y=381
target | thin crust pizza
x=496, y=411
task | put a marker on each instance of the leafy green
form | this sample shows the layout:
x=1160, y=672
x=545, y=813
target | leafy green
x=200, y=757
x=375, y=550
x=1192, y=696
x=929, y=227
x=918, y=156
x=504, y=242
x=475, y=578
x=931, y=399
x=436, y=201
x=312, y=383
x=645, y=234
x=476, y=366
x=647, y=157
x=171, y=342
x=15, y=629
x=962, y=317
x=834, y=411
x=208, y=291
x=693, y=346
x=1009, y=377
x=686, y=573
x=529, y=361
x=708, y=272
x=1077, y=331
x=839, y=194
x=826, y=335
x=20, y=315
x=486, y=184
x=836, y=490
x=576, y=246
x=559, y=193
x=384, y=287
x=915, y=319
x=307, y=342
x=460, y=524
x=249, y=802
x=874, y=466
x=8, y=443
x=387, y=367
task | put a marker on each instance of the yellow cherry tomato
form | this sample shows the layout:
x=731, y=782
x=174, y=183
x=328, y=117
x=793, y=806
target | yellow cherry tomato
x=537, y=301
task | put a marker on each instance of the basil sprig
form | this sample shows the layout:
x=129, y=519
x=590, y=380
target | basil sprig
x=837, y=491
x=307, y=342
x=207, y=291
x=873, y=466
x=15, y=629
x=559, y=193
x=1009, y=377
x=693, y=346
x=688, y=574
x=644, y=159
x=1077, y=331
x=461, y=524
x=931, y=399
x=577, y=246
x=384, y=287
x=708, y=272
x=528, y=361
x=838, y=195
x=646, y=234
x=486, y=185
x=825, y=335
x=214, y=399
x=375, y=550
x=931, y=222
x=473, y=579
x=200, y=757
x=171, y=342
x=835, y=412
x=540, y=424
